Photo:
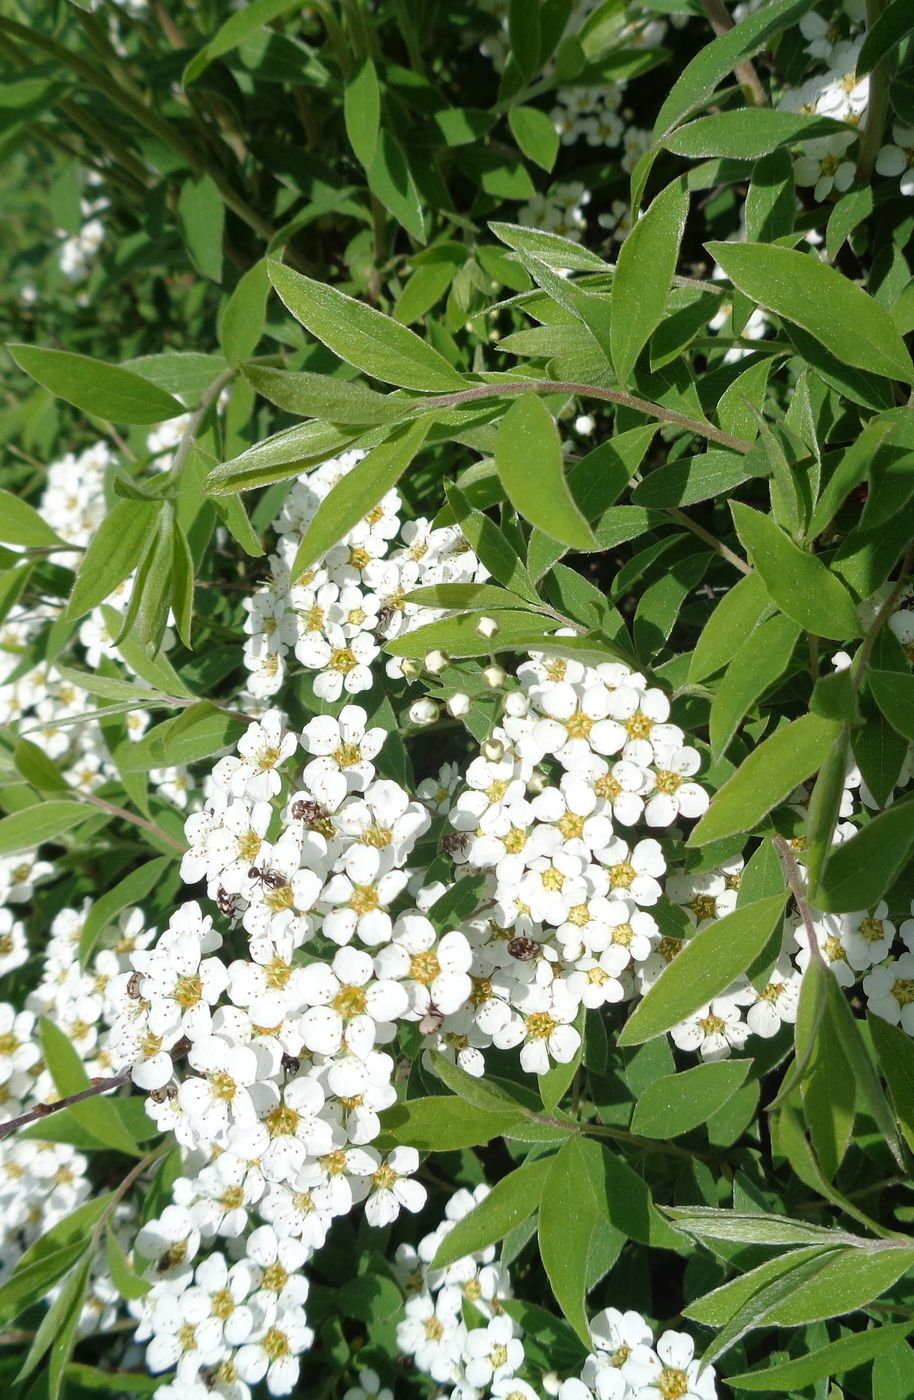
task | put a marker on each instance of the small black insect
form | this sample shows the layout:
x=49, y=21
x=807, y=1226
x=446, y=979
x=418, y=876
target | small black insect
x=432, y=1021
x=269, y=879
x=455, y=841
x=290, y=1063
x=309, y=812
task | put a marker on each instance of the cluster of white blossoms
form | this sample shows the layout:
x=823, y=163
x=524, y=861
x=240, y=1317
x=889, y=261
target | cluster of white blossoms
x=335, y=616
x=459, y=1331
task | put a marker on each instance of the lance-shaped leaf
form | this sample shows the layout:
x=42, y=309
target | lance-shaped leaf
x=362, y=336
x=644, y=275
x=528, y=455
x=801, y=585
x=359, y=491
x=107, y=391
x=816, y=297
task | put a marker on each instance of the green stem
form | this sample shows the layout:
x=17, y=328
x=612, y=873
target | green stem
x=877, y=106
x=195, y=422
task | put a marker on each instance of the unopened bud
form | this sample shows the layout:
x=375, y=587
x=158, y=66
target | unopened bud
x=537, y=782
x=494, y=677
x=458, y=705
x=493, y=751
x=436, y=661
x=423, y=711
x=487, y=627
x=411, y=669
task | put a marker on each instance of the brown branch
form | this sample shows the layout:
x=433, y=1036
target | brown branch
x=114, y=811
x=792, y=873
x=719, y=548
x=721, y=22
x=583, y=391
x=44, y=1110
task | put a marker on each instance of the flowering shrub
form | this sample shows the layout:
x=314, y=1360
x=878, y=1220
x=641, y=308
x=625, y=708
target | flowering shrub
x=457, y=600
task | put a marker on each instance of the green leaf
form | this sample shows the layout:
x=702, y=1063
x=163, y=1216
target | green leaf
x=893, y=1374
x=677, y=1103
x=838, y=313
x=390, y=180
x=243, y=318
x=30, y=1283
x=895, y=1053
x=846, y=1282
x=490, y=545
x=39, y=770
x=571, y=1209
x=747, y=133
x=147, y=612
x=761, y=659
x=57, y=1330
x=201, y=214
x=107, y=391
x=863, y=1073
x=859, y=871
x=528, y=455
x=739, y=1227
x=801, y=585
x=835, y=1359
x=233, y=32
x=467, y=597
x=127, y=1283
x=157, y=672
x=644, y=275
x=894, y=694
x=182, y=583
x=510, y=1202
x=768, y=776
x=362, y=336
x=536, y=135
x=825, y=805
x=325, y=396
x=828, y=1089
x=99, y=1116
x=90, y=1378
x=362, y=111
x=445, y=1122
x=736, y=615
x=721, y=1305
x=885, y=34
x=22, y=831
x=714, y=61
x=550, y=248
x=359, y=491
x=691, y=479
x=524, y=36
x=201, y=730
x=555, y=1083
x=21, y=524
x=703, y=968
x=133, y=889
x=460, y=636
x=114, y=552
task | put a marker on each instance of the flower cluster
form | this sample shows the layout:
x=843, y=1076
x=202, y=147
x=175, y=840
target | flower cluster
x=458, y=1331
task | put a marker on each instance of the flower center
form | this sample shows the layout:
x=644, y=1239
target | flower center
x=834, y=949
x=268, y=757
x=424, y=968
x=377, y=836
x=249, y=846
x=579, y=725
x=282, y=1121
x=704, y=906
x=667, y=781
x=540, y=1025
x=384, y=1178
x=347, y=755
x=515, y=841
x=498, y=1355
x=9, y=1043
x=622, y=876
x=223, y=1304
x=233, y=1198
x=188, y=991
x=552, y=879
x=571, y=826
x=342, y=660
x=623, y=935
x=364, y=898
x=673, y=1383
x=349, y=1001
x=497, y=789
x=772, y=991
x=275, y=1344
x=872, y=930
x=222, y=1086
x=903, y=990
x=277, y=973
x=711, y=1025
x=275, y=1277
x=359, y=558
x=639, y=726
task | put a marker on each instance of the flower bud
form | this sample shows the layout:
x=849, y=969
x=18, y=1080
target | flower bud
x=458, y=705
x=537, y=782
x=436, y=661
x=487, y=627
x=423, y=711
x=494, y=677
x=493, y=751
x=411, y=669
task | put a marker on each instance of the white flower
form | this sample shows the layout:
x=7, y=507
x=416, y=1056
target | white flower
x=362, y=894
x=348, y=1007
x=391, y=1187
x=263, y=747
x=776, y=1002
x=222, y=1096
x=671, y=795
x=344, y=751
x=714, y=1029
x=670, y=1370
x=437, y=972
x=823, y=165
x=492, y=1352
x=290, y=1131
x=633, y=871
x=889, y=992
x=274, y=1355
x=868, y=937
x=898, y=159
x=368, y=1388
